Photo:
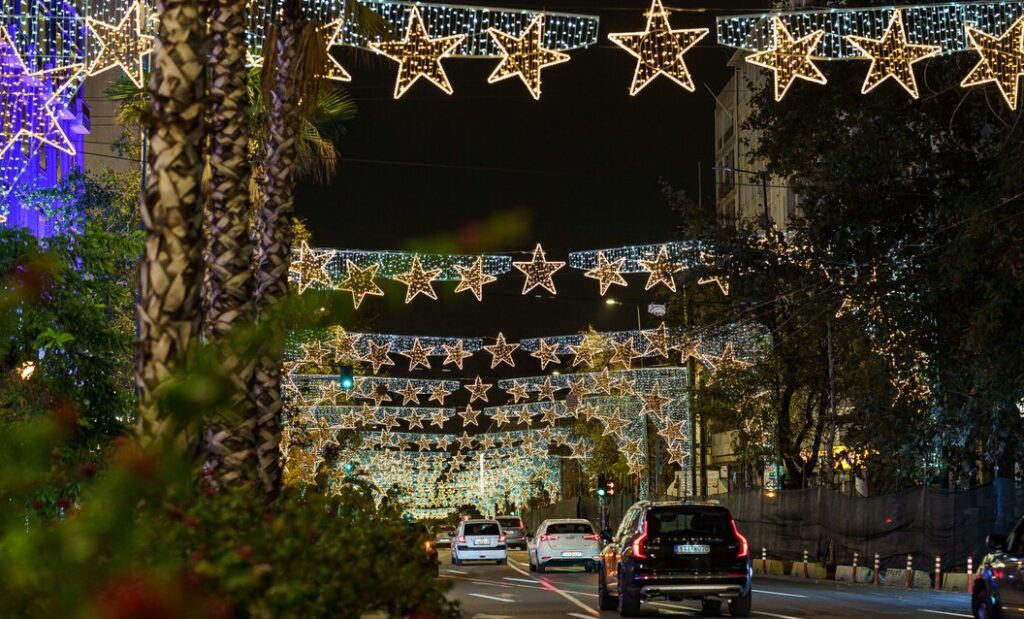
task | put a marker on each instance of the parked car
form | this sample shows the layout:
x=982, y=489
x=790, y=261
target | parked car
x=479, y=540
x=998, y=586
x=443, y=535
x=419, y=535
x=676, y=550
x=563, y=543
x=514, y=530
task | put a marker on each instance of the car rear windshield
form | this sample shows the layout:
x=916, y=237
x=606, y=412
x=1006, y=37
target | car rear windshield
x=556, y=528
x=481, y=528
x=511, y=522
x=445, y=527
x=688, y=520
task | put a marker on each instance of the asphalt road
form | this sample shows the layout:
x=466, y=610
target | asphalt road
x=496, y=591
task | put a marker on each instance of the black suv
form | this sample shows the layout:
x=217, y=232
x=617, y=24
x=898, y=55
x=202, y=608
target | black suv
x=676, y=550
x=999, y=582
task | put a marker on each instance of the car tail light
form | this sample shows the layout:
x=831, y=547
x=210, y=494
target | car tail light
x=744, y=546
x=548, y=538
x=462, y=539
x=501, y=538
x=428, y=545
x=638, y=544
x=592, y=536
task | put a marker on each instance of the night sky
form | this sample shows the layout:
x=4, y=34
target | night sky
x=582, y=167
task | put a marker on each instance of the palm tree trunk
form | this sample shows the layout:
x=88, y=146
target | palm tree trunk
x=228, y=285
x=274, y=232
x=170, y=270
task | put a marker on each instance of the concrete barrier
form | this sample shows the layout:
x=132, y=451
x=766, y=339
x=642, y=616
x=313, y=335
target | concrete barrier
x=954, y=582
x=844, y=573
x=817, y=571
x=897, y=577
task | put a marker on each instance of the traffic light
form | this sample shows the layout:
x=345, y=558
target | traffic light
x=611, y=488
x=349, y=467
x=346, y=380
x=602, y=484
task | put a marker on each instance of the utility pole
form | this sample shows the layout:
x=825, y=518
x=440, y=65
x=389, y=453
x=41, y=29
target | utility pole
x=830, y=444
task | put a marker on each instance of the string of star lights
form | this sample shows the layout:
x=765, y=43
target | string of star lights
x=122, y=45
x=525, y=56
x=789, y=58
x=1001, y=62
x=659, y=49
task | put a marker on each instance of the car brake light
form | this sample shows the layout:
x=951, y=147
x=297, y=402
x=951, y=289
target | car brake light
x=638, y=544
x=592, y=536
x=548, y=538
x=428, y=545
x=501, y=538
x=744, y=546
x=462, y=539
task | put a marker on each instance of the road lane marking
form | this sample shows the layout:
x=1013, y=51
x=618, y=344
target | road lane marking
x=942, y=612
x=547, y=585
x=531, y=580
x=456, y=571
x=491, y=597
x=778, y=616
x=581, y=616
x=788, y=595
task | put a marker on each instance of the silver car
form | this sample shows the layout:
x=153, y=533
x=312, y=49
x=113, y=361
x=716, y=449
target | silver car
x=514, y=530
x=443, y=534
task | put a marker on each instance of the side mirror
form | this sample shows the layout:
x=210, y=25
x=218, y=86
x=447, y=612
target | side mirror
x=996, y=541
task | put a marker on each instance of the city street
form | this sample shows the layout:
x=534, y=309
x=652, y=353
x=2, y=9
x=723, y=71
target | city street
x=512, y=591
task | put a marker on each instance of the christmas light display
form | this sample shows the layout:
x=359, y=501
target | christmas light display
x=478, y=390
x=720, y=281
x=417, y=279
x=418, y=55
x=607, y=272
x=659, y=49
x=469, y=416
x=1002, y=60
x=524, y=56
x=377, y=356
x=439, y=392
x=661, y=270
x=517, y=391
x=538, y=271
x=501, y=352
x=308, y=267
x=789, y=58
x=417, y=355
x=123, y=45
x=456, y=353
x=473, y=278
x=892, y=56
x=332, y=35
x=410, y=394
x=360, y=282
x=546, y=353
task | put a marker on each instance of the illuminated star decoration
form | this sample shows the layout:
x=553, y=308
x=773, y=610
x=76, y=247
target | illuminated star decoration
x=606, y=272
x=501, y=352
x=473, y=278
x=659, y=49
x=661, y=270
x=378, y=355
x=723, y=283
x=418, y=280
x=538, y=271
x=654, y=401
x=311, y=266
x=892, y=56
x=439, y=393
x=585, y=353
x=1002, y=60
x=360, y=282
x=418, y=55
x=518, y=392
x=438, y=418
x=789, y=58
x=546, y=390
x=417, y=355
x=331, y=34
x=726, y=360
x=455, y=354
x=688, y=350
x=469, y=416
x=500, y=417
x=122, y=45
x=546, y=353
x=27, y=102
x=524, y=56
x=478, y=390
x=657, y=341
x=624, y=353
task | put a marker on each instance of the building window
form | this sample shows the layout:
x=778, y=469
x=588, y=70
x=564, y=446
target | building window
x=726, y=174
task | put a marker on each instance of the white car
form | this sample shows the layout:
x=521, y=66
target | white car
x=479, y=540
x=565, y=542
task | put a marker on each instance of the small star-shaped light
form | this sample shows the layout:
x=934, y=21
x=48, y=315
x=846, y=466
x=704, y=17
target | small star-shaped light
x=549, y=415
x=377, y=355
x=789, y=58
x=624, y=353
x=518, y=392
x=469, y=416
x=892, y=56
x=379, y=393
x=606, y=272
x=314, y=353
x=465, y=441
x=661, y=270
x=438, y=418
x=410, y=393
x=310, y=266
x=344, y=346
x=546, y=353
x=418, y=55
x=416, y=420
x=546, y=390
x=584, y=352
x=657, y=341
x=122, y=45
x=577, y=390
x=654, y=401
x=487, y=442
x=439, y=393
x=1002, y=60
x=360, y=282
x=720, y=280
x=390, y=420
x=688, y=349
x=443, y=443
x=473, y=278
x=538, y=271
x=418, y=355
x=726, y=360
x=500, y=417
x=659, y=49
x=524, y=56
x=417, y=279
x=603, y=382
x=455, y=354
x=501, y=352
x=478, y=390
x=614, y=424
x=423, y=443
x=525, y=416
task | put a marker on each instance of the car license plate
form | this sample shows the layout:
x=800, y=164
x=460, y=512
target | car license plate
x=692, y=549
x=482, y=542
x=572, y=554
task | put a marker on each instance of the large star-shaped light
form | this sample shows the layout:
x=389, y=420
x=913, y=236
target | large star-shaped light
x=418, y=355
x=455, y=353
x=789, y=58
x=473, y=278
x=122, y=45
x=892, y=56
x=417, y=279
x=478, y=390
x=418, y=55
x=439, y=393
x=360, y=282
x=524, y=56
x=659, y=49
x=377, y=356
x=607, y=272
x=332, y=34
x=518, y=392
x=28, y=102
x=310, y=266
x=1002, y=60
x=501, y=352
x=469, y=416
x=661, y=269
x=538, y=271
x=546, y=353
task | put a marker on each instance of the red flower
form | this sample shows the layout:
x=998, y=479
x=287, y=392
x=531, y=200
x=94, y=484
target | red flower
x=87, y=470
x=139, y=597
x=191, y=522
x=64, y=504
x=245, y=552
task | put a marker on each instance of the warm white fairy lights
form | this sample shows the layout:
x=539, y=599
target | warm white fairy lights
x=524, y=55
x=539, y=271
x=659, y=49
x=1002, y=60
x=892, y=56
x=419, y=55
x=789, y=58
x=122, y=45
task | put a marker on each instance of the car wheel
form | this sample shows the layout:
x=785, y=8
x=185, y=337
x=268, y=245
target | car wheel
x=605, y=599
x=984, y=608
x=540, y=567
x=629, y=603
x=740, y=607
x=533, y=568
x=501, y=561
x=711, y=608
x=455, y=560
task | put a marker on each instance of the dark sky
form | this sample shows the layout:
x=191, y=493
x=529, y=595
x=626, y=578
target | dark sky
x=583, y=163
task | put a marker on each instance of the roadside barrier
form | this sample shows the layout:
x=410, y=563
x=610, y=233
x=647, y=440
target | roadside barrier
x=909, y=582
x=854, y=566
x=938, y=572
x=970, y=574
x=876, y=570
